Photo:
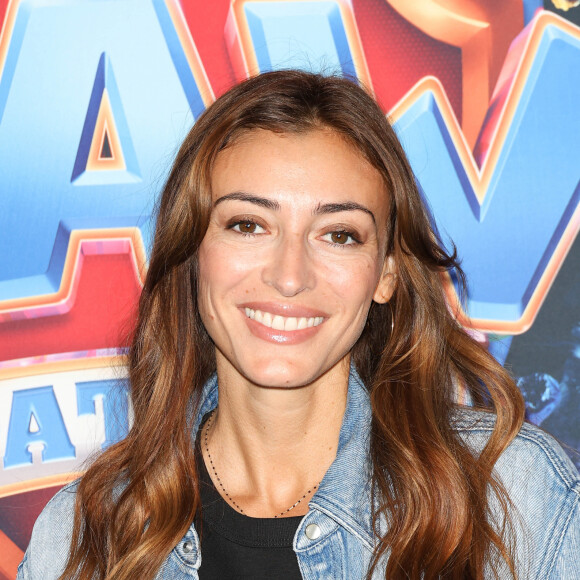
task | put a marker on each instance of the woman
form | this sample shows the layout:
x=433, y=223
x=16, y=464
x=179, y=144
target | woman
x=295, y=272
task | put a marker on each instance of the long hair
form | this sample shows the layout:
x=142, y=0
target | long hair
x=138, y=498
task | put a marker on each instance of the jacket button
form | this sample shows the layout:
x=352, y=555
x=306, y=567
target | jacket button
x=312, y=531
x=187, y=547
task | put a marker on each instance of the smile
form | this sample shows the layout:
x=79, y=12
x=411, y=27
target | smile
x=277, y=322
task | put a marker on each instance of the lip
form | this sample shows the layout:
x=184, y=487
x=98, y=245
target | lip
x=286, y=337
x=281, y=309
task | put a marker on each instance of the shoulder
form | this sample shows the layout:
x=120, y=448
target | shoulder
x=532, y=450
x=544, y=488
x=49, y=544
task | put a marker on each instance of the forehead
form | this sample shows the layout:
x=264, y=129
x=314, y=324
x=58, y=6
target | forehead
x=316, y=166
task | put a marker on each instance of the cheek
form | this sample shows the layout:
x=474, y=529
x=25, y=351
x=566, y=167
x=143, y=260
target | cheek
x=354, y=281
x=208, y=282
x=221, y=272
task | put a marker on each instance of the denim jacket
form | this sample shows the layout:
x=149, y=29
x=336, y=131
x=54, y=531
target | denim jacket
x=334, y=539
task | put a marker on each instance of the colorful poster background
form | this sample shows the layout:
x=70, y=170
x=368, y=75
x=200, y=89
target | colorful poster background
x=95, y=98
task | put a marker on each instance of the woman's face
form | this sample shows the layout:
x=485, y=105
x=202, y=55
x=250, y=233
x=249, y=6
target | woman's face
x=293, y=256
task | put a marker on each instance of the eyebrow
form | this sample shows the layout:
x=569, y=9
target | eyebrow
x=320, y=209
x=346, y=206
x=241, y=196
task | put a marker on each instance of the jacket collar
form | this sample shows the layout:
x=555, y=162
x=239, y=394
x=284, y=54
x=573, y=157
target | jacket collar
x=344, y=493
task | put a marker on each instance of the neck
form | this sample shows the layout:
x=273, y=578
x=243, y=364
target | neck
x=270, y=445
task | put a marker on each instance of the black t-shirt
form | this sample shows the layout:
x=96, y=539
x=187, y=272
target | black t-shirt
x=235, y=546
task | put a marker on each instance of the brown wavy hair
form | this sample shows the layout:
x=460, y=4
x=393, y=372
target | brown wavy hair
x=137, y=500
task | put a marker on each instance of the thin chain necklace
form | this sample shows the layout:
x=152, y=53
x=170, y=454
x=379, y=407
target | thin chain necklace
x=230, y=498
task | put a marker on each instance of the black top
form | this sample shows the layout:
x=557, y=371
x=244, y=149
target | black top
x=235, y=546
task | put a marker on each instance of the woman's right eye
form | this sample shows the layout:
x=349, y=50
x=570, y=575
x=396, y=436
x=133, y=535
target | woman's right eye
x=246, y=227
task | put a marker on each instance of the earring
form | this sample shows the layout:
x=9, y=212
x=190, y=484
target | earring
x=392, y=317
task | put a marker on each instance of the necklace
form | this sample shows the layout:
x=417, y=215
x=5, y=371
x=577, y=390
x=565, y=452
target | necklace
x=230, y=498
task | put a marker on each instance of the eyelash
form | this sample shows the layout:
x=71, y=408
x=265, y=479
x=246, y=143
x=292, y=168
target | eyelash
x=235, y=224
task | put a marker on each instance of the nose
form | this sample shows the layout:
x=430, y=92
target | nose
x=290, y=269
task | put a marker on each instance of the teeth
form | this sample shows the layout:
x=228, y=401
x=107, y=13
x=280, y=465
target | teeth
x=278, y=322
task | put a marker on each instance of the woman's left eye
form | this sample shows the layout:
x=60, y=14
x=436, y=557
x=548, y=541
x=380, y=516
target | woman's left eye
x=341, y=238
x=247, y=227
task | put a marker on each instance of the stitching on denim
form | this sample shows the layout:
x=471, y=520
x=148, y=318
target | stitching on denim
x=305, y=570
x=563, y=535
x=340, y=522
x=557, y=463
x=181, y=560
x=342, y=559
x=539, y=439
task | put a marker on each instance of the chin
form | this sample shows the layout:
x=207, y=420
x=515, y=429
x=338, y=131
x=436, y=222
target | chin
x=281, y=374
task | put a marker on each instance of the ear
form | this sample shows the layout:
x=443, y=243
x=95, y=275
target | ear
x=387, y=282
